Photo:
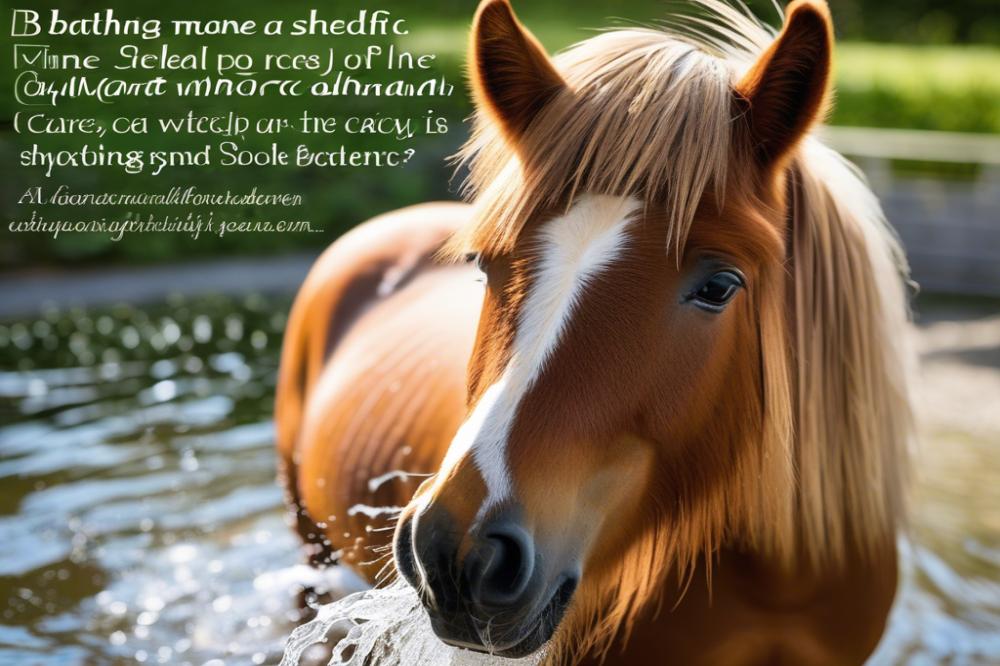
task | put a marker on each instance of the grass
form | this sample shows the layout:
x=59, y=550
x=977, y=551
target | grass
x=948, y=68
x=946, y=88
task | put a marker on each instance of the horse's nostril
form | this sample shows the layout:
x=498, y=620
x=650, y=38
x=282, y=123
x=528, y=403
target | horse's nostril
x=507, y=562
x=502, y=573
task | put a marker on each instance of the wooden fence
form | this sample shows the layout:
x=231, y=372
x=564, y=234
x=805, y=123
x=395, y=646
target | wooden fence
x=949, y=224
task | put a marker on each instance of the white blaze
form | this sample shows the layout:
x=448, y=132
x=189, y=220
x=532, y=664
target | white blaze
x=573, y=249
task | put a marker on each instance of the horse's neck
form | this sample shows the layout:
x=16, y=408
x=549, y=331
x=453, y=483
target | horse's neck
x=747, y=609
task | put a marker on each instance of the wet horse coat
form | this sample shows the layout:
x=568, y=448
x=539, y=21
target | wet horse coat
x=664, y=408
x=378, y=339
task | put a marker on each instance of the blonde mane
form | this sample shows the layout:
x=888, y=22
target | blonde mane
x=649, y=113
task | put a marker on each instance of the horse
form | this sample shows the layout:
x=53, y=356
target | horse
x=645, y=398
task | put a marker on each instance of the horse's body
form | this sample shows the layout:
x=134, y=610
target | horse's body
x=716, y=483
x=373, y=378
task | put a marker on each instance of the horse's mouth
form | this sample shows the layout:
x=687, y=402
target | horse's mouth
x=525, y=639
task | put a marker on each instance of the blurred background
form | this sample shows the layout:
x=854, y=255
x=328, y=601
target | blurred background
x=139, y=517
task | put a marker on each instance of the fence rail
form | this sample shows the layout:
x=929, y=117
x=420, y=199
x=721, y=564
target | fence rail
x=948, y=147
x=950, y=226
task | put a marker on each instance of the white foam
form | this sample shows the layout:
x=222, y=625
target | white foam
x=385, y=626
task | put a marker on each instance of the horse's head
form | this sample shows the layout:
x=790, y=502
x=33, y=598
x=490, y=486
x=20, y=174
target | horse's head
x=628, y=391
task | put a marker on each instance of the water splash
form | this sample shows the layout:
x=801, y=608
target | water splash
x=385, y=626
x=374, y=511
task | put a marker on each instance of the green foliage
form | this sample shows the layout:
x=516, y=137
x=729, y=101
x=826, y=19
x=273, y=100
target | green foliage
x=955, y=89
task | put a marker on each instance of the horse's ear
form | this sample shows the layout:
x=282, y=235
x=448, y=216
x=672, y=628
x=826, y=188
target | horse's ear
x=784, y=93
x=512, y=77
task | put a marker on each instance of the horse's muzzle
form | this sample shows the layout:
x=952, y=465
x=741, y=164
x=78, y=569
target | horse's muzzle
x=494, y=599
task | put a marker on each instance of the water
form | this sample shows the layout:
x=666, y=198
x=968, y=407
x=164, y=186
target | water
x=140, y=520
x=386, y=626
x=139, y=515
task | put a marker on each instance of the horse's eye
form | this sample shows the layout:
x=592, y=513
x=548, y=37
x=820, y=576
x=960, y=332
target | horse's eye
x=717, y=291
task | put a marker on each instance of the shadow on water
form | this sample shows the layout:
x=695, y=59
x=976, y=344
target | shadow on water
x=140, y=520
